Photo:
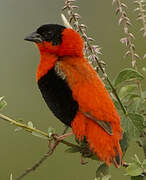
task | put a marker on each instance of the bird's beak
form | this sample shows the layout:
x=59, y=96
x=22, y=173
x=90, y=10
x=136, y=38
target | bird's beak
x=34, y=37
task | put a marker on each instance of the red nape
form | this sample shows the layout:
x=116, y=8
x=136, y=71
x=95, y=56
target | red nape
x=72, y=44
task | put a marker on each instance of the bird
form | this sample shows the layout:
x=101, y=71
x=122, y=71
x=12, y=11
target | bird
x=75, y=93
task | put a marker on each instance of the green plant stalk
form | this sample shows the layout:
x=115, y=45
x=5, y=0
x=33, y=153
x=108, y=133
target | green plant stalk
x=30, y=129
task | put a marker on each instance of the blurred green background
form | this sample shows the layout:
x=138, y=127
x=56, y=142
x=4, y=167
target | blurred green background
x=18, y=63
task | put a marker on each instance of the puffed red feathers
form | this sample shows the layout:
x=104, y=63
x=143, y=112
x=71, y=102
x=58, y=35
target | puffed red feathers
x=88, y=90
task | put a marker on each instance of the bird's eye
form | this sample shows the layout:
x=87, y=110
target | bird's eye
x=47, y=34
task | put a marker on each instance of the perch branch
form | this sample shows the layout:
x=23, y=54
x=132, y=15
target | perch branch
x=30, y=130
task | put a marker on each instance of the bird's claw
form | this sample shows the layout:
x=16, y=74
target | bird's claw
x=82, y=160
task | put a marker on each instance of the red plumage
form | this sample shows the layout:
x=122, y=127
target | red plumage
x=96, y=117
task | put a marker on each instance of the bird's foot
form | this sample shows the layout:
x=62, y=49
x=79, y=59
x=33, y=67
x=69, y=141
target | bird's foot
x=82, y=160
x=65, y=129
x=57, y=138
x=62, y=137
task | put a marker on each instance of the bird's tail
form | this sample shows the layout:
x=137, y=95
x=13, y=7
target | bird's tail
x=105, y=146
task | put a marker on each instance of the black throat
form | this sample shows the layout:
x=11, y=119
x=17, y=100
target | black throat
x=58, y=96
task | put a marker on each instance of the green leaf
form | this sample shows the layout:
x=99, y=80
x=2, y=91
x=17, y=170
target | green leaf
x=126, y=90
x=124, y=120
x=136, y=105
x=30, y=124
x=77, y=141
x=73, y=149
x=124, y=143
x=143, y=139
x=136, y=159
x=144, y=165
x=94, y=157
x=129, y=97
x=2, y=103
x=1, y=98
x=128, y=94
x=138, y=121
x=132, y=126
x=134, y=169
x=38, y=135
x=20, y=120
x=17, y=129
x=107, y=177
x=11, y=177
x=144, y=162
x=127, y=74
x=51, y=131
x=144, y=94
x=137, y=177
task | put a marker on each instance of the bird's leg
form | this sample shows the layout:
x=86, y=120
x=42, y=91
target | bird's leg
x=65, y=129
x=85, y=151
x=49, y=144
x=57, y=138
x=62, y=137
x=82, y=160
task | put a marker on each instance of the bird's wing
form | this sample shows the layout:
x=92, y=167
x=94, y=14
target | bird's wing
x=105, y=125
x=95, y=106
x=89, y=91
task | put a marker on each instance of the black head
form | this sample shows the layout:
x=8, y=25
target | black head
x=47, y=32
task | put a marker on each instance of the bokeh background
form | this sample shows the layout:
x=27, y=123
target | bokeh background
x=18, y=63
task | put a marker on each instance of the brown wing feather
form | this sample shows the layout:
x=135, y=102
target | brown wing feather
x=105, y=125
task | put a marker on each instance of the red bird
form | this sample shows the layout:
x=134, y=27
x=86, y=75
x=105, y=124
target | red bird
x=74, y=92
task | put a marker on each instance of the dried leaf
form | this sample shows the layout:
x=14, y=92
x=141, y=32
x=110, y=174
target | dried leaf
x=113, y=1
x=124, y=5
x=141, y=29
x=65, y=7
x=124, y=40
x=127, y=53
x=117, y=11
x=83, y=26
x=137, y=56
x=131, y=35
x=136, y=9
x=74, y=7
x=77, y=16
